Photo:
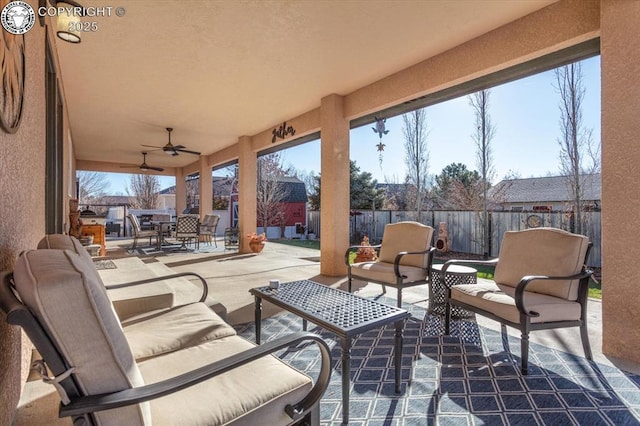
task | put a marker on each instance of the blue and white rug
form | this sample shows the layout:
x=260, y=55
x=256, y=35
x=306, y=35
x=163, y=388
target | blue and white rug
x=469, y=378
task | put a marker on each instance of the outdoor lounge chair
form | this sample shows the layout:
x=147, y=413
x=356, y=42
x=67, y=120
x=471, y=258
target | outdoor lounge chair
x=134, y=298
x=404, y=258
x=215, y=377
x=540, y=282
x=138, y=232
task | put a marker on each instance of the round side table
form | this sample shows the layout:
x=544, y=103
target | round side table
x=456, y=274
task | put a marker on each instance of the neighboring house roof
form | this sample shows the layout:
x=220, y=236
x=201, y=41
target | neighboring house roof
x=296, y=189
x=116, y=199
x=544, y=189
x=222, y=186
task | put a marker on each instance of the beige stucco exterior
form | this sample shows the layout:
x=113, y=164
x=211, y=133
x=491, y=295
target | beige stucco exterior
x=561, y=25
x=620, y=46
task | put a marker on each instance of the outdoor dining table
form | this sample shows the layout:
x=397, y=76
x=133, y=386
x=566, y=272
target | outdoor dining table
x=162, y=227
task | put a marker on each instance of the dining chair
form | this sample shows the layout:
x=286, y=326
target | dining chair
x=188, y=230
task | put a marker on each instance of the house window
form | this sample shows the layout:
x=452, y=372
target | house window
x=542, y=208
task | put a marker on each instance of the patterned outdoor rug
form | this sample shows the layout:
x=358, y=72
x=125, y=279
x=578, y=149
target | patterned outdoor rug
x=469, y=378
x=104, y=264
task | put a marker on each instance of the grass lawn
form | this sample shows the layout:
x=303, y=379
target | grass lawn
x=312, y=244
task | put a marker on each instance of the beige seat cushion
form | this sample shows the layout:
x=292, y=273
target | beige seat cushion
x=383, y=272
x=500, y=301
x=127, y=301
x=175, y=329
x=217, y=401
x=64, y=291
x=542, y=251
x=139, y=299
x=409, y=237
x=63, y=242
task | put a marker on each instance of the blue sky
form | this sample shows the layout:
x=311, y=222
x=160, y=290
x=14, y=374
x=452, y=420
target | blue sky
x=525, y=114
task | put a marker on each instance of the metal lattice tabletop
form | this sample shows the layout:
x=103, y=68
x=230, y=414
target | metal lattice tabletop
x=339, y=311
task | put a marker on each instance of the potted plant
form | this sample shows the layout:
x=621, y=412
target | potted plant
x=366, y=253
x=257, y=241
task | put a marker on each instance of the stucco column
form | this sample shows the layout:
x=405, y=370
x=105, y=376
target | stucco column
x=247, y=191
x=181, y=191
x=206, y=187
x=620, y=65
x=334, y=195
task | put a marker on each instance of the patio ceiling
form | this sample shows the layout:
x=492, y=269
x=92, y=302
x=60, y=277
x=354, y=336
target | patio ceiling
x=218, y=70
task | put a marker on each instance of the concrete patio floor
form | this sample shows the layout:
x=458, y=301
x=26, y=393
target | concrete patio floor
x=230, y=275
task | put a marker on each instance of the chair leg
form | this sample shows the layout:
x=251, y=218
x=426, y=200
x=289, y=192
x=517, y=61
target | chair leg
x=214, y=239
x=399, y=297
x=349, y=280
x=135, y=242
x=524, y=344
x=584, y=334
x=447, y=318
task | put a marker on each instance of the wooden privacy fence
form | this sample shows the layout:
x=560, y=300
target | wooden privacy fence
x=465, y=227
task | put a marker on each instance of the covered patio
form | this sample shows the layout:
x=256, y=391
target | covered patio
x=226, y=76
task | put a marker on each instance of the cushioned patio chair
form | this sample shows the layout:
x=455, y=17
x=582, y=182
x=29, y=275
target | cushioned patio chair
x=213, y=377
x=404, y=258
x=138, y=232
x=139, y=297
x=540, y=282
x=208, y=228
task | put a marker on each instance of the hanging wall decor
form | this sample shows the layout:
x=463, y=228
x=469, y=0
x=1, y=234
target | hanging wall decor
x=12, y=85
x=282, y=132
x=381, y=131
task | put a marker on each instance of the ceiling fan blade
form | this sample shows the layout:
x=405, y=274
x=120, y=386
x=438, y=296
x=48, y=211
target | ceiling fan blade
x=179, y=147
x=153, y=146
x=157, y=169
x=188, y=152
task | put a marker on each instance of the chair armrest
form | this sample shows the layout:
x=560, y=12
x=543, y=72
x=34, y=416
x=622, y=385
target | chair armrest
x=525, y=281
x=205, y=288
x=90, y=404
x=396, y=263
x=350, y=249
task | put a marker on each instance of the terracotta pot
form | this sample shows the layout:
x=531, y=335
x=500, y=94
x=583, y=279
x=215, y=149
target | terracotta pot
x=256, y=246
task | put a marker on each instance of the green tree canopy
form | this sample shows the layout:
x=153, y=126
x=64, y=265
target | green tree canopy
x=455, y=186
x=362, y=189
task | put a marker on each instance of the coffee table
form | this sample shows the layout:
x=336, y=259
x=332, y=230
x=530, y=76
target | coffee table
x=339, y=312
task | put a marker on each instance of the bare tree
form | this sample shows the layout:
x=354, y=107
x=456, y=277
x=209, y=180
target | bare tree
x=271, y=191
x=579, y=155
x=143, y=191
x=416, y=155
x=485, y=132
x=92, y=185
x=192, y=189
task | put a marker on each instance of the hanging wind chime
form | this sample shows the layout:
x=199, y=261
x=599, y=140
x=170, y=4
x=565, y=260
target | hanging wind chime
x=381, y=131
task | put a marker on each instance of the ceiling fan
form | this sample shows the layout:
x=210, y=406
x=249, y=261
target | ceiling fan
x=144, y=166
x=172, y=149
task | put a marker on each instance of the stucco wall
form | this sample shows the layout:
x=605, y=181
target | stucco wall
x=22, y=165
x=620, y=47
